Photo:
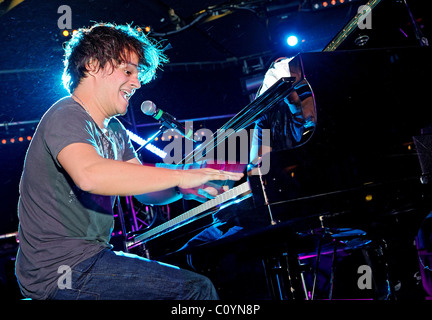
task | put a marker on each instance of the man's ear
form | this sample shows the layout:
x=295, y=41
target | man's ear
x=92, y=66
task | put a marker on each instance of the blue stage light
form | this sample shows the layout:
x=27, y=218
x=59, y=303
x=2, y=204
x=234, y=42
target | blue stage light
x=150, y=147
x=292, y=41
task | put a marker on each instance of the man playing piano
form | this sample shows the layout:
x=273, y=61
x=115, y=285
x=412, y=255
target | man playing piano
x=79, y=160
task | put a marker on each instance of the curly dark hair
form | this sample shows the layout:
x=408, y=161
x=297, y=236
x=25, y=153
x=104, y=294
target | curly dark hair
x=109, y=43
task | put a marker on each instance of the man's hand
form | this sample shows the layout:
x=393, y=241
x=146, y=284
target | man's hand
x=196, y=183
x=198, y=177
x=202, y=193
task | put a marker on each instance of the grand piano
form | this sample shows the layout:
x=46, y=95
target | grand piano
x=353, y=179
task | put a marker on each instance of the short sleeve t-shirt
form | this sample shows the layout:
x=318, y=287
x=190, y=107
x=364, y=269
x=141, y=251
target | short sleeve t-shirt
x=60, y=224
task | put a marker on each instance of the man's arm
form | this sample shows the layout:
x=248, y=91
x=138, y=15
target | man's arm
x=159, y=197
x=94, y=174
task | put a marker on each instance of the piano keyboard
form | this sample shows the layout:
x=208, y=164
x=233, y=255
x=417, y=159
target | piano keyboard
x=197, y=212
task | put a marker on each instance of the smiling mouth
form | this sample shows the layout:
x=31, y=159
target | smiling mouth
x=127, y=95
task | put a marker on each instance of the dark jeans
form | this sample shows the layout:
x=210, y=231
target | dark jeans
x=121, y=276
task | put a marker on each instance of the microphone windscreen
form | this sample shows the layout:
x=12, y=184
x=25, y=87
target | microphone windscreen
x=148, y=107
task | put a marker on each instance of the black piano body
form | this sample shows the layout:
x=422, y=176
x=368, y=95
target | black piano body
x=361, y=157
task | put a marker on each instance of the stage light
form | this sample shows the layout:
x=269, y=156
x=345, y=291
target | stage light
x=150, y=147
x=65, y=33
x=14, y=140
x=292, y=41
x=321, y=5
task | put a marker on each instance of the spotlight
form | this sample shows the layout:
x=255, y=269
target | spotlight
x=65, y=33
x=292, y=41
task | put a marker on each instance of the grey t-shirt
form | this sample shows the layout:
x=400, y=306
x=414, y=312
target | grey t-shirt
x=59, y=224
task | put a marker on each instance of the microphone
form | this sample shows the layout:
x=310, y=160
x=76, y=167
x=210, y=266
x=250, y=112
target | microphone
x=167, y=120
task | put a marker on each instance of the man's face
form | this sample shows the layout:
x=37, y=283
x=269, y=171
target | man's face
x=117, y=85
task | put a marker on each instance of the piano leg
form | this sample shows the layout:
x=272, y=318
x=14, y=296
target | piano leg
x=317, y=263
x=424, y=252
x=284, y=276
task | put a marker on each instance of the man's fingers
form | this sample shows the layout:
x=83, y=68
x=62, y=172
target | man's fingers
x=227, y=175
x=195, y=178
